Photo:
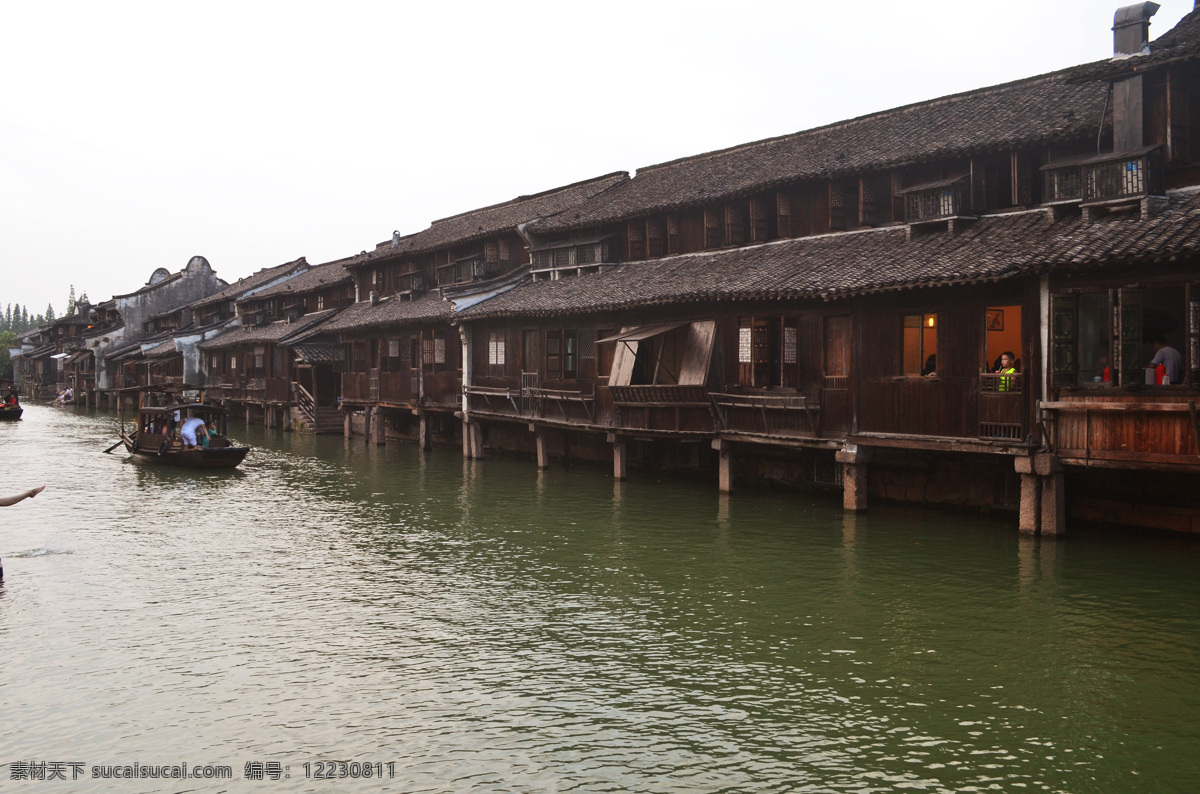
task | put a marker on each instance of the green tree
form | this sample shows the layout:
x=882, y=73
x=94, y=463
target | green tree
x=49, y=316
x=7, y=339
x=70, y=302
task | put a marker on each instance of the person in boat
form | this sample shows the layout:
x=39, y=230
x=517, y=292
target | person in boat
x=6, y=501
x=192, y=426
x=12, y=401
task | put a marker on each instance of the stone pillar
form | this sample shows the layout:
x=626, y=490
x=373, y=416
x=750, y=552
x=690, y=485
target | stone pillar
x=424, y=432
x=543, y=457
x=466, y=436
x=854, y=460
x=1030, y=515
x=378, y=433
x=1053, y=521
x=348, y=423
x=249, y=416
x=725, y=466
x=620, y=457
x=477, y=440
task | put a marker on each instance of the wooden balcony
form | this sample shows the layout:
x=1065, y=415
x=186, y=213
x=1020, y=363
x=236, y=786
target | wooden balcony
x=1002, y=407
x=934, y=201
x=668, y=408
x=766, y=414
x=1148, y=429
x=1107, y=178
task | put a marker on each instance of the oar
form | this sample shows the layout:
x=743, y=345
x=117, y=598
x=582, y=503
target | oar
x=114, y=446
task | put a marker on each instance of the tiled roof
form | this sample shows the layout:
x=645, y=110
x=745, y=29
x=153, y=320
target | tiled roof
x=1016, y=114
x=161, y=350
x=244, y=285
x=391, y=311
x=839, y=265
x=278, y=331
x=317, y=278
x=1179, y=43
x=492, y=220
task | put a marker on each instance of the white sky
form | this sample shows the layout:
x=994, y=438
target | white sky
x=136, y=135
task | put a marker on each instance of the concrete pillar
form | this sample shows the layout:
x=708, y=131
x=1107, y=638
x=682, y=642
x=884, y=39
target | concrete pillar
x=620, y=458
x=466, y=436
x=854, y=460
x=348, y=423
x=543, y=457
x=725, y=466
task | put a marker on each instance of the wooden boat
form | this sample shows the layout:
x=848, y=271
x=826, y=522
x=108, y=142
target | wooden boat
x=156, y=437
x=9, y=412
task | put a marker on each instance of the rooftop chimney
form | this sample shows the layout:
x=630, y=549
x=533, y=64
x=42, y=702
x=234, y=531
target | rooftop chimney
x=1131, y=36
x=1131, y=28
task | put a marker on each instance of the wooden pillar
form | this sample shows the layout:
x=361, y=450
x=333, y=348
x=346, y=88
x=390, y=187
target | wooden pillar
x=349, y=423
x=466, y=436
x=543, y=457
x=620, y=456
x=367, y=415
x=248, y=415
x=854, y=460
x=725, y=466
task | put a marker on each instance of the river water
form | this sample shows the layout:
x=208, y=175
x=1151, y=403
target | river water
x=484, y=626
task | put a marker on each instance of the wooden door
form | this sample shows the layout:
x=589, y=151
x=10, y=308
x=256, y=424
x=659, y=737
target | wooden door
x=837, y=407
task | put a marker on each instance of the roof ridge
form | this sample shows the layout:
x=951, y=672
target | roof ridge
x=1060, y=74
x=519, y=199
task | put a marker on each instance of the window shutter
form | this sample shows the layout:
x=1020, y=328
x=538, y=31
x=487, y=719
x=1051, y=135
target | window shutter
x=837, y=207
x=1193, y=325
x=783, y=213
x=654, y=236
x=1064, y=310
x=712, y=229
x=637, y=240
x=1129, y=336
x=734, y=233
x=758, y=220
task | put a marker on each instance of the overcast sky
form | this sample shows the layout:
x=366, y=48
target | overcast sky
x=136, y=135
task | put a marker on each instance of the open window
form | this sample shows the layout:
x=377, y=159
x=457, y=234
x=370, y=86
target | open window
x=667, y=354
x=920, y=344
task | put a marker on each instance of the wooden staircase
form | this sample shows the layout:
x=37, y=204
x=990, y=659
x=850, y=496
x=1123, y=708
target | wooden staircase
x=317, y=418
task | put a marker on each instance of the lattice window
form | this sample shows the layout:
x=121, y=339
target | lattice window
x=585, y=254
x=504, y=250
x=587, y=343
x=637, y=240
x=837, y=207
x=491, y=252
x=897, y=195
x=745, y=344
x=654, y=237
x=712, y=229
x=867, y=204
x=1022, y=179
x=562, y=257
x=789, y=345
x=734, y=225
x=758, y=220
x=543, y=259
x=496, y=344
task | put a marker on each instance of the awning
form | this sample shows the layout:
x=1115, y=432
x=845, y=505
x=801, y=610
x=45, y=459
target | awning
x=59, y=355
x=315, y=352
x=642, y=332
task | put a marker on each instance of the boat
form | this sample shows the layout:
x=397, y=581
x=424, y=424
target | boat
x=10, y=404
x=156, y=439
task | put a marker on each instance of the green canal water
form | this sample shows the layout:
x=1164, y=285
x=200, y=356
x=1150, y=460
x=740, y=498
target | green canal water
x=485, y=626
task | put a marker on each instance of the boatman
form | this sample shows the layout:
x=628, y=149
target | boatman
x=188, y=431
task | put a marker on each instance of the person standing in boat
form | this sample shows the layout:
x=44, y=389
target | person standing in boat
x=188, y=430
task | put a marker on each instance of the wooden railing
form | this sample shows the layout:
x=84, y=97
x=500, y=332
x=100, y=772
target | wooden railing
x=767, y=414
x=663, y=408
x=305, y=402
x=1002, y=406
x=1126, y=429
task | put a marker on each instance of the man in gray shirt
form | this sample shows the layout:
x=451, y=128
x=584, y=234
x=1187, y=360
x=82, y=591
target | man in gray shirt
x=1169, y=357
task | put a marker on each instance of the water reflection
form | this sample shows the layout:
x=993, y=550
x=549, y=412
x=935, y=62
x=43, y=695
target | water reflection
x=348, y=600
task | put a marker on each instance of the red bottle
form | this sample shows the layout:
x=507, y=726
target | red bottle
x=1160, y=375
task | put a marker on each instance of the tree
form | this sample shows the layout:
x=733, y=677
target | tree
x=7, y=339
x=71, y=302
x=49, y=317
